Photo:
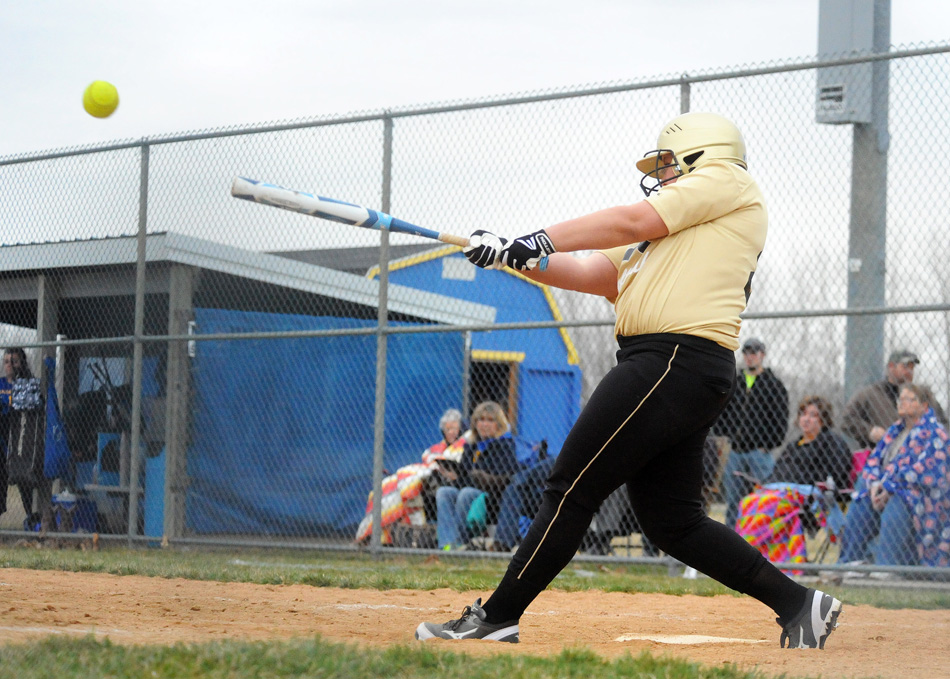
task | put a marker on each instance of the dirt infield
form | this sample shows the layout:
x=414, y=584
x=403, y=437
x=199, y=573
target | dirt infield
x=710, y=630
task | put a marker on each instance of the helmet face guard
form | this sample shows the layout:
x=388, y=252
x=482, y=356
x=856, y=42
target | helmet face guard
x=651, y=182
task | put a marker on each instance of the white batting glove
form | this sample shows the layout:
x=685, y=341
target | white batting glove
x=483, y=249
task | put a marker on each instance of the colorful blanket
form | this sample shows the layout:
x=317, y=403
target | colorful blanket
x=770, y=519
x=402, y=492
x=399, y=491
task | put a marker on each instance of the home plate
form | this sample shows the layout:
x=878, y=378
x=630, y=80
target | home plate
x=686, y=639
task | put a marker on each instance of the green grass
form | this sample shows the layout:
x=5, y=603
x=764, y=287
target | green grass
x=68, y=659
x=349, y=571
x=65, y=659
x=361, y=571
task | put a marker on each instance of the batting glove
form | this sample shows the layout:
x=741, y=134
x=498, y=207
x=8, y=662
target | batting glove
x=526, y=252
x=483, y=249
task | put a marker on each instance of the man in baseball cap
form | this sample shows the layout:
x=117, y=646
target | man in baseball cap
x=873, y=409
x=753, y=345
x=903, y=357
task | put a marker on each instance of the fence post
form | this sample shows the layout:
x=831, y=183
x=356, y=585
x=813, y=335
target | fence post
x=467, y=375
x=382, y=314
x=136, y=435
x=684, y=93
x=181, y=290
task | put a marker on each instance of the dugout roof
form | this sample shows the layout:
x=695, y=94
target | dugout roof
x=94, y=282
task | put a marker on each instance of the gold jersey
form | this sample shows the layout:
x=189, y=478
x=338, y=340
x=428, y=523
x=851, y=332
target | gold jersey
x=696, y=280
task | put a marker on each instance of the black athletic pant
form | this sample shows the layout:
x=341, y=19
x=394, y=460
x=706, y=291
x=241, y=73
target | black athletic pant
x=644, y=425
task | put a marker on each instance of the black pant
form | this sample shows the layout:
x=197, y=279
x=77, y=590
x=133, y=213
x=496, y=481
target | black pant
x=644, y=425
x=43, y=513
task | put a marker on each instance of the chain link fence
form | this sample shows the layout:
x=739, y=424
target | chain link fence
x=272, y=368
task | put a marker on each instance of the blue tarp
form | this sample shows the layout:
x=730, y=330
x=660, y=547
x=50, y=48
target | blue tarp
x=549, y=384
x=58, y=461
x=283, y=429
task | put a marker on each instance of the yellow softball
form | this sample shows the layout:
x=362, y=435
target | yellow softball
x=100, y=99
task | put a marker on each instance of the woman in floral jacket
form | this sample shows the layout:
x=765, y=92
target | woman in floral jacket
x=903, y=498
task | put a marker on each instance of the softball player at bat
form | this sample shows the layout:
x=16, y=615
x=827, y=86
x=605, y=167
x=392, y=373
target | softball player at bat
x=678, y=267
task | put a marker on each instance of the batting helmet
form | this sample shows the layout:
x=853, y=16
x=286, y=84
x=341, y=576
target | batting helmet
x=687, y=142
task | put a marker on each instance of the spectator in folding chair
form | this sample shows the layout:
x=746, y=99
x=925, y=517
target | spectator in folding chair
x=405, y=493
x=488, y=463
x=443, y=459
x=792, y=501
x=903, y=497
x=450, y=447
x=820, y=454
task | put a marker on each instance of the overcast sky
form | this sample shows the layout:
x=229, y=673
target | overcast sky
x=201, y=64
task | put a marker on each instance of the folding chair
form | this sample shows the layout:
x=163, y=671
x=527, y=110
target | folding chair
x=839, y=497
x=833, y=525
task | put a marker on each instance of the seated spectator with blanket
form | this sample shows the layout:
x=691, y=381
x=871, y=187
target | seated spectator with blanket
x=405, y=492
x=903, y=496
x=775, y=517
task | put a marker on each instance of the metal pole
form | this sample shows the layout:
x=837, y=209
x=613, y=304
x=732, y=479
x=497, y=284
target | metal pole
x=382, y=315
x=137, y=346
x=467, y=375
x=864, y=335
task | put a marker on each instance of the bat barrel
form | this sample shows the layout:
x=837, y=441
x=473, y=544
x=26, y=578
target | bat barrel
x=336, y=210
